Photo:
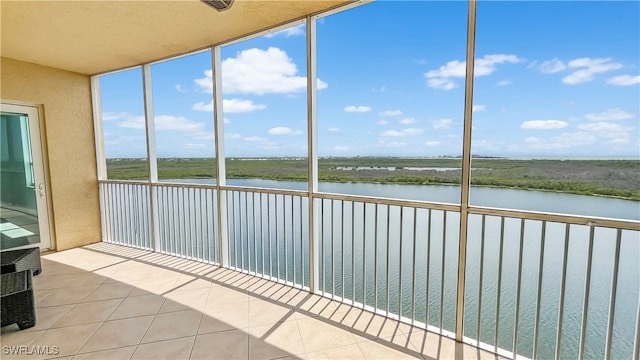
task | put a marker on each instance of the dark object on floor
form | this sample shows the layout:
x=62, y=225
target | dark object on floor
x=18, y=306
x=22, y=259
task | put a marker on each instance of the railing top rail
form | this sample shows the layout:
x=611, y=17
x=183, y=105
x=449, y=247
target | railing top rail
x=265, y=190
x=185, y=185
x=559, y=218
x=125, y=182
x=389, y=201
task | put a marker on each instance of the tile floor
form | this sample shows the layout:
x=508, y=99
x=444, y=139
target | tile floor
x=106, y=301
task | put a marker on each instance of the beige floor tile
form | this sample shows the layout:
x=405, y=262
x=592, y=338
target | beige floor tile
x=67, y=340
x=315, y=305
x=173, y=325
x=349, y=352
x=227, y=345
x=371, y=326
x=118, y=333
x=122, y=353
x=381, y=350
x=47, y=316
x=70, y=295
x=12, y=336
x=89, y=312
x=109, y=291
x=236, y=315
x=220, y=295
x=427, y=343
x=153, y=287
x=184, y=299
x=173, y=349
x=318, y=335
x=275, y=341
x=137, y=306
x=265, y=312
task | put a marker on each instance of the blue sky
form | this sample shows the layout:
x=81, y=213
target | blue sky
x=553, y=80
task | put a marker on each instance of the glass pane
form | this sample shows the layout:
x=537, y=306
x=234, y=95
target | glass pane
x=390, y=119
x=183, y=114
x=18, y=211
x=264, y=86
x=555, y=122
x=123, y=125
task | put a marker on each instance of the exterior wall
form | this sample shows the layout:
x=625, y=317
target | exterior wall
x=66, y=114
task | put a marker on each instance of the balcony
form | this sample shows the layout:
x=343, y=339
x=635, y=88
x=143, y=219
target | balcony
x=111, y=301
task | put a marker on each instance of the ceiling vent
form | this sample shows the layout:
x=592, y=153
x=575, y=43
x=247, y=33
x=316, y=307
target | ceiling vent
x=219, y=5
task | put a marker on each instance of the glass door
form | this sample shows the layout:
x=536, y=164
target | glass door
x=24, y=220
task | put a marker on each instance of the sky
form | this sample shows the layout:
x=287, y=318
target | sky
x=552, y=80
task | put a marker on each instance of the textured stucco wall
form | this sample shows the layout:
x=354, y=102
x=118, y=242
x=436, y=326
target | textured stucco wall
x=65, y=98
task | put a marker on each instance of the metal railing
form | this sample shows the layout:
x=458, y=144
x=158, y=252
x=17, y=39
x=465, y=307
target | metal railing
x=538, y=285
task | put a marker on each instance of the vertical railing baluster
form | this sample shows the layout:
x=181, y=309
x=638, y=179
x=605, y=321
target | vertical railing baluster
x=189, y=224
x=400, y=239
x=536, y=329
x=286, y=245
x=636, y=341
x=333, y=255
x=301, y=243
x=414, y=267
x=293, y=238
x=364, y=255
x=353, y=254
x=375, y=258
x=255, y=230
x=322, y=245
x=443, y=265
x=612, y=297
x=277, y=211
x=481, y=278
x=269, y=233
x=587, y=288
x=342, y=221
x=518, y=290
x=563, y=282
x=499, y=284
x=388, y=239
x=428, y=274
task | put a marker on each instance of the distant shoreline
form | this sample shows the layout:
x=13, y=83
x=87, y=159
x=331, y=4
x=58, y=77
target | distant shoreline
x=608, y=178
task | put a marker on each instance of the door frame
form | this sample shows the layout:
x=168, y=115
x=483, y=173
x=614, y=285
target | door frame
x=40, y=170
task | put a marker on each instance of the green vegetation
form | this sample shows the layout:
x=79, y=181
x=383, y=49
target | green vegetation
x=616, y=178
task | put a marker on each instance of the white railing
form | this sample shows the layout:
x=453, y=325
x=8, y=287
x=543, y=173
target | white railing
x=535, y=284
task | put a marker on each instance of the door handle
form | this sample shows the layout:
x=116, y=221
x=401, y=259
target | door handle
x=41, y=190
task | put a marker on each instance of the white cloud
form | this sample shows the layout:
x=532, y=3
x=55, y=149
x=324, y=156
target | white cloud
x=432, y=143
x=281, y=130
x=254, y=139
x=180, y=88
x=232, y=136
x=354, y=108
x=503, y=82
x=333, y=129
x=552, y=66
x=442, y=123
x=393, y=144
x=403, y=132
x=340, y=148
x=544, y=124
x=226, y=121
x=257, y=71
x=601, y=127
x=610, y=115
x=624, y=80
x=441, y=78
x=106, y=116
x=297, y=30
x=407, y=121
x=588, y=68
x=390, y=113
x=133, y=122
x=240, y=106
x=562, y=141
x=477, y=108
x=230, y=106
x=382, y=122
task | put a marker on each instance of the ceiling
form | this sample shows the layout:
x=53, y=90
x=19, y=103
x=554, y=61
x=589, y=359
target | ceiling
x=93, y=36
